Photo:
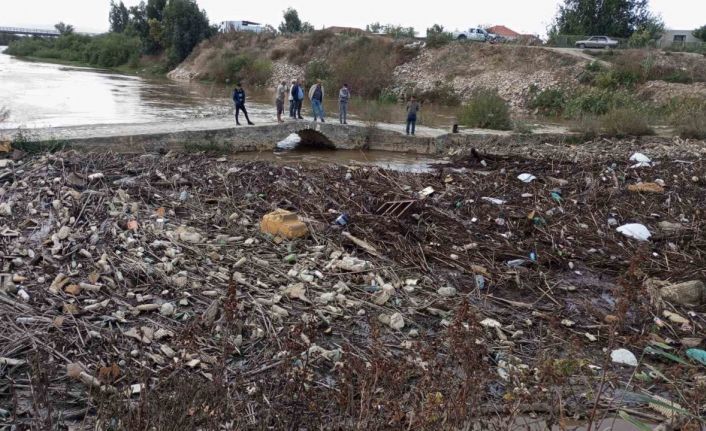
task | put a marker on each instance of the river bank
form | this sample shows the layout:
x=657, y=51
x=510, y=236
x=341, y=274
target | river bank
x=144, y=287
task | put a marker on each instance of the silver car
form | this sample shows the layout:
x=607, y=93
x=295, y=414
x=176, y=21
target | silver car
x=597, y=42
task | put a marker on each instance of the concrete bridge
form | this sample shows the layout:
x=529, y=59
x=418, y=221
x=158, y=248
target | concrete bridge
x=261, y=137
x=30, y=31
x=220, y=135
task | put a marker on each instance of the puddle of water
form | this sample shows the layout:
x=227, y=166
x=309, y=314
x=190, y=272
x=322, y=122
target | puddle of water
x=400, y=162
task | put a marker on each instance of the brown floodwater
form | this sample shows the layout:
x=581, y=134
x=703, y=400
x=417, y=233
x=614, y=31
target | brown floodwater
x=42, y=95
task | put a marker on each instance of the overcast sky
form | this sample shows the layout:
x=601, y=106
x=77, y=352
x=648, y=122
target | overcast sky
x=524, y=16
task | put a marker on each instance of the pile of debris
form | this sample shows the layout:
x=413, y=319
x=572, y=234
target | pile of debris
x=153, y=292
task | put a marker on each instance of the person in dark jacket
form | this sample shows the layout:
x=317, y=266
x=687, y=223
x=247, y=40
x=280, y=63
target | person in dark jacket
x=292, y=102
x=412, y=109
x=239, y=100
x=298, y=97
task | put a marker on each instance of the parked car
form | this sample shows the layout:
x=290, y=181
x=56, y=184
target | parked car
x=597, y=42
x=477, y=34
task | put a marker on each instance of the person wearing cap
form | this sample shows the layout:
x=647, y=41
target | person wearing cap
x=343, y=96
x=239, y=100
x=279, y=101
x=316, y=95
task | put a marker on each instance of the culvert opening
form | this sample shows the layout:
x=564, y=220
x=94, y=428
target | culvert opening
x=306, y=140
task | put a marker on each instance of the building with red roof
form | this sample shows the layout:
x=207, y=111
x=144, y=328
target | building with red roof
x=504, y=32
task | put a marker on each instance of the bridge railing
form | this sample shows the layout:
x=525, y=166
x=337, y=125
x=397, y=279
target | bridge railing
x=28, y=31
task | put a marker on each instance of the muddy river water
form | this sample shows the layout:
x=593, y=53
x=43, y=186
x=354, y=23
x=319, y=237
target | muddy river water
x=51, y=95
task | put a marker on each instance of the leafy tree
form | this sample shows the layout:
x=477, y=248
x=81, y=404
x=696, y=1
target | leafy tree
x=119, y=17
x=138, y=21
x=64, y=29
x=647, y=33
x=292, y=23
x=155, y=9
x=617, y=18
x=184, y=26
x=307, y=27
x=700, y=33
x=436, y=36
x=375, y=27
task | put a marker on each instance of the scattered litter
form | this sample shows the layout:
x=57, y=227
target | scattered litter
x=494, y=201
x=642, y=161
x=636, y=231
x=526, y=178
x=697, y=355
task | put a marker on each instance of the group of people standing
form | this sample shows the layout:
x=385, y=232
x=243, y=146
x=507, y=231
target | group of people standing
x=295, y=93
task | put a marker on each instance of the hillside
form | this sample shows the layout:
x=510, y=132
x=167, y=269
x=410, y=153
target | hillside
x=380, y=67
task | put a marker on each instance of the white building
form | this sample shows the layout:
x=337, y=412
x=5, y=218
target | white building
x=677, y=37
x=229, y=26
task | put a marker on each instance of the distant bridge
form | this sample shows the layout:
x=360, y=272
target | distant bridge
x=30, y=31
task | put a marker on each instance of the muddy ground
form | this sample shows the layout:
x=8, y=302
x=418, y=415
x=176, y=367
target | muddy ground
x=139, y=293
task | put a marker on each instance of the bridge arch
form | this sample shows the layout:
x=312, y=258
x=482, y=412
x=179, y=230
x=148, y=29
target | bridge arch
x=298, y=138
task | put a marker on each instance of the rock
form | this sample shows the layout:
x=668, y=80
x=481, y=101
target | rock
x=5, y=209
x=353, y=264
x=190, y=237
x=623, y=357
x=167, y=309
x=646, y=188
x=6, y=163
x=491, y=323
x=670, y=228
x=396, y=321
x=447, y=292
x=284, y=224
x=691, y=293
x=64, y=232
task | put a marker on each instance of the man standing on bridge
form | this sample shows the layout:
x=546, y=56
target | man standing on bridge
x=316, y=94
x=281, y=96
x=239, y=100
x=298, y=97
x=343, y=96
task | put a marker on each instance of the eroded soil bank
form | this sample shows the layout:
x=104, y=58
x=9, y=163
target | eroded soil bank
x=140, y=293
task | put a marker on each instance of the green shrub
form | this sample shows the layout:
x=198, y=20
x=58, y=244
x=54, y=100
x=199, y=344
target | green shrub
x=317, y=69
x=437, y=37
x=111, y=50
x=618, y=77
x=678, y=76
x=486, y=110
x=595, y=66
x=688, y=117
x=595, y=101
x=366, y=64
x=244, y=68
x=550, y=101
x=387, y=97
x=623, y=122
x=108, y=50
x=589, y=126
